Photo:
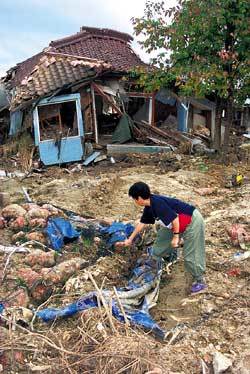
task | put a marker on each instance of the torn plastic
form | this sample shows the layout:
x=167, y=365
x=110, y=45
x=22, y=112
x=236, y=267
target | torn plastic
x=137, y=298
x=60, y=231
x=117, y=232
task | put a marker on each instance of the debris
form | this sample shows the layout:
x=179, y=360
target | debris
x=117, y=232
x=100, y=158
x=18, y=223
x=19, y=298
x=205, y=191
x=234, y=272
x=76, y=168
x=3, y=174
x=241, y=256
x=19, y=315
x=91, y=158
x=60, y=230
x=221, y=363
x=112, y=160
x=38, y=257
x=13, y=211
x=39, y=368
x=38, y=222
x=155, y=371
x=7, y=249
x=28, y=199
x=2, y=223
x=239, y=235
x=37, y=236
x=120, y=148
x=63, y=271
x=4, y=199
x=234, y=180
x=141, y=293
x=34, y=283
x=38, y=213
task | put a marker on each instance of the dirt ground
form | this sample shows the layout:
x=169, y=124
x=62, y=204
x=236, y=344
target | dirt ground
x=215, y=320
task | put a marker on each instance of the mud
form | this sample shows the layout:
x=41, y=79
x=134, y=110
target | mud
x=102, y=193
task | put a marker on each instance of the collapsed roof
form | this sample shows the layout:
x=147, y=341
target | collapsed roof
x=89, y=52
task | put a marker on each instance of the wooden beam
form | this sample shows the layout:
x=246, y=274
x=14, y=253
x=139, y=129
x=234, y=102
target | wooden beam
x=153, y=110
x=106, y=98
x=139, y=94
x=157, y=131
x=94, y=113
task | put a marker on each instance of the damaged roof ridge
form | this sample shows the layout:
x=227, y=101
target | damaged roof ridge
x=88, y=32
x=109, y=32
x=94, y=60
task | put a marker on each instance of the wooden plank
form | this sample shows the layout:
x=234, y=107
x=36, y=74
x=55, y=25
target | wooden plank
x=91, y=158
x=121, y=148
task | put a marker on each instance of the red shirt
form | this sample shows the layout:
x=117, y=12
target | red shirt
x=184, y=221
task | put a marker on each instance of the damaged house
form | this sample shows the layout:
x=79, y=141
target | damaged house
x=74, y=92
x=70, y=92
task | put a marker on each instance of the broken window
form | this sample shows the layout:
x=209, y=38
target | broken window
x=58, y=119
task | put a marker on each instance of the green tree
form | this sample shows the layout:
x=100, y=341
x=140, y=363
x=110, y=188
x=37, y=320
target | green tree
x=202, y=48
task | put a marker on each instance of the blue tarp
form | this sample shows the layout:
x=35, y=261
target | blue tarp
x=60, y=231
x=142, y=289
x=117, y=232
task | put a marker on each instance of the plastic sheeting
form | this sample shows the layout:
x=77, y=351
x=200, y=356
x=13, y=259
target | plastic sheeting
x=137, y=298
x=123, y=131
x=60, y=231
x=117, y=232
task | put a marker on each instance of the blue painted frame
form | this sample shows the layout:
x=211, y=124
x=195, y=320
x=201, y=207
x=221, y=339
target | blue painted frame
x=71, y=148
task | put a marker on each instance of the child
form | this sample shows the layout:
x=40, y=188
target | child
x=178, y=219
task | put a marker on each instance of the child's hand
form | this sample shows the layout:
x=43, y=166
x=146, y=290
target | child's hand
x=175, y=241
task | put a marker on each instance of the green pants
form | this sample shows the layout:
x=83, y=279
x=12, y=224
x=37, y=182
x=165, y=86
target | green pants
x=194, y=246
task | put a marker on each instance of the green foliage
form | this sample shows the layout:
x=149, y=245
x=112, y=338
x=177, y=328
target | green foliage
x=202, y=46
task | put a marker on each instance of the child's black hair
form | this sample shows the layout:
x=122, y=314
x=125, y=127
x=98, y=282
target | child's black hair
x=139, y=189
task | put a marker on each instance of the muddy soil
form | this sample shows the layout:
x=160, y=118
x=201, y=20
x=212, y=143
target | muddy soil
x=101, y=192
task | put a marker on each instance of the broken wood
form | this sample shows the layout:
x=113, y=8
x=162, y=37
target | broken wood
x=91, y=158
x=164, y=134
x=106, y=98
